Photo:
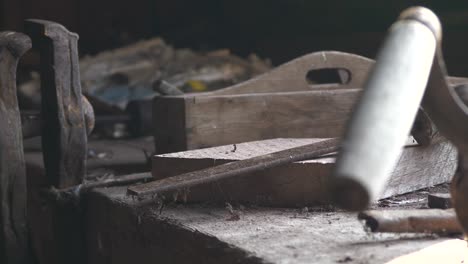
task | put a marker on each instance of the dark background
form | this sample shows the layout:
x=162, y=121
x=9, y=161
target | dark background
x=276, y=29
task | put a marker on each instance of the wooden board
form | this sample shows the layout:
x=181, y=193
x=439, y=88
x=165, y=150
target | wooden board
x=301, y=183
x=207, y=121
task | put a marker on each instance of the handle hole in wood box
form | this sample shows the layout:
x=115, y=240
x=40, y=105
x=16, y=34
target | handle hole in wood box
x=328, y=76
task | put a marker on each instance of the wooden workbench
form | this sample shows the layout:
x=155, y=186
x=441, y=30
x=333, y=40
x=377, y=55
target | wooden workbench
x=119, y=231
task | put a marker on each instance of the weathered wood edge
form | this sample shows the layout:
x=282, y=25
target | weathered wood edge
x=303, y=183
x=164, y=240
x=14, y=237
x=64, y=134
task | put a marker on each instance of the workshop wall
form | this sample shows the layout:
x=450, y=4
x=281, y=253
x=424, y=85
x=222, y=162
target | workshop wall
x=278, y=29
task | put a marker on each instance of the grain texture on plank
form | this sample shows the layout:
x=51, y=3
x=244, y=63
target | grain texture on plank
x=300, y=183
x=267, y=106
x=294, y=75
x=64, y=135
x=209, y=121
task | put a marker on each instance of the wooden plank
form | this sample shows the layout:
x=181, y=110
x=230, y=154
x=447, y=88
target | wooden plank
x=300, y=183
x=207, y=121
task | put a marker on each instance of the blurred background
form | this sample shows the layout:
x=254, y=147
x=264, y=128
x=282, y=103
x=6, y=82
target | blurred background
x=277, y=29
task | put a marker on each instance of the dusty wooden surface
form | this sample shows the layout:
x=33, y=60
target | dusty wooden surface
x=299, y=183
x=208, y=234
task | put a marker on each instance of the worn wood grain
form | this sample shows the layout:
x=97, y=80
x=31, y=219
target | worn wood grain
x=14, y=242
x=63, y=135
x=208, y=121
x=293, y=76
x=207, y=234
x=300, y=183
x=279, y=103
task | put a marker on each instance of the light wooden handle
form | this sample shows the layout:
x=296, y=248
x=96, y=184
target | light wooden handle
x=383, y=117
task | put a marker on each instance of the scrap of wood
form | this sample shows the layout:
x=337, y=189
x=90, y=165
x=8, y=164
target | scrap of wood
x=412, y=221
x=241, y=168
x=300, y=183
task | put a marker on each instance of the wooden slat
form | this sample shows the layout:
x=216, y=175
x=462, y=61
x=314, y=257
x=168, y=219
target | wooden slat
x=301, y=183
x=183, y=123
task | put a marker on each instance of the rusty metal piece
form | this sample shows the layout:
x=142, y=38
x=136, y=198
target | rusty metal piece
x=237, y=168
x=13, y=224
x=64, y=130
x=62, y=196
x=412, y=221
x=382, y=119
